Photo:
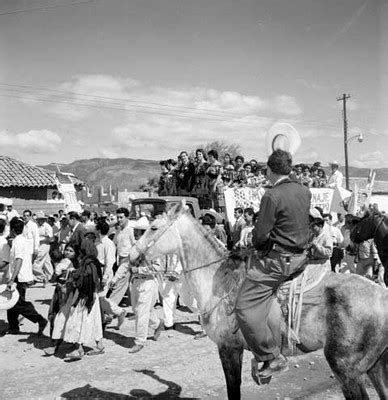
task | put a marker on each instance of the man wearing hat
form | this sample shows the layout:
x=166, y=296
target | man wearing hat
x=336, y=177
x=281, y=234
x=144, y=293
x=42, y=267
x=11, y=213
x=20, y=272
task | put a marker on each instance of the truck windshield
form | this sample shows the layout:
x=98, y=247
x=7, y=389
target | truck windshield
x=151, y=209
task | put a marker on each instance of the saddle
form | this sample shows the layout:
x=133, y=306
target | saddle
x=292, y=293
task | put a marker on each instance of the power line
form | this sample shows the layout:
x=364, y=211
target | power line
x=47, y=7
x=171, y=110
x=121, y=109
x=137, y=101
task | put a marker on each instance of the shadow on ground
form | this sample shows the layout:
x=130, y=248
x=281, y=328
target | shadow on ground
x=173, y=391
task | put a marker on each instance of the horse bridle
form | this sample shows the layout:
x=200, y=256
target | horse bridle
x=157, y=238
x=205, y=314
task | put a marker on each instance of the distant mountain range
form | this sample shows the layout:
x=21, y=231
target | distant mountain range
x=124, y=173
x=130, y=174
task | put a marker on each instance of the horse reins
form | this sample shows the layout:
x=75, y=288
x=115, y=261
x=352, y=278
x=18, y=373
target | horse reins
x=154, y=241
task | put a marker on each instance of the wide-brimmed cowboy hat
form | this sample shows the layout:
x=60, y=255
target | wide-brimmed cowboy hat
x=282, y=136
x=8, y=298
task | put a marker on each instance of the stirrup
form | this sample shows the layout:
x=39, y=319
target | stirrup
x=256, y=374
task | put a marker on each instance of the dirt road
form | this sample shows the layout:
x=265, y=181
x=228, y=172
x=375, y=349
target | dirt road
x=175, y=367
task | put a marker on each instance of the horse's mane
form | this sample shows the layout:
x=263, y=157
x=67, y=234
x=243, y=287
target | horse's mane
x=215, y=243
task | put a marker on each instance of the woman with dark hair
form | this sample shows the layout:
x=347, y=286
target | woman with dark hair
x=227, y=172
x=199, y=189
x=240, y=174
x=185, y=175
x=79, y=320
x=170, y=184
x=213, y=175
x=322, y=177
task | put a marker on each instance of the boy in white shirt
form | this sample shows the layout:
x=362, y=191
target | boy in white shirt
x=20, y=272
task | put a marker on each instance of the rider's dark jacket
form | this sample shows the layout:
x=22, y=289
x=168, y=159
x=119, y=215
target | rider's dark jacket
x=283, y=217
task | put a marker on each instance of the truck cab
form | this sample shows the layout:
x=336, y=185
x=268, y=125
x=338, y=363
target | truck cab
x=153, y=206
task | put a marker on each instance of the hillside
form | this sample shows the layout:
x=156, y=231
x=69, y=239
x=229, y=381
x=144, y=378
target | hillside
x=124, y=173
x=127, y=173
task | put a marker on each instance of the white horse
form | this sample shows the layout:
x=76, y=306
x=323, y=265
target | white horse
x=350, y=321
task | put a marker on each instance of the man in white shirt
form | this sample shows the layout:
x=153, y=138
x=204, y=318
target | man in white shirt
x=10, y=212
x=42, y=267
x=123, y=240
x=20, y=272
x=336, y=178
x=338, y=241
x=107, y=257
x=31, y=233
x=86, y=220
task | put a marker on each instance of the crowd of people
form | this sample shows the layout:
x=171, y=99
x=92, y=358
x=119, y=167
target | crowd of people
x=86, y=257
x=207, y=175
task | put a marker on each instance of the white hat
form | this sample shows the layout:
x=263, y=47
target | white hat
x=334, y=163
x=40, y=215
x=7, y=202
x=8, y=298
x=283, y=136
x=142, y=223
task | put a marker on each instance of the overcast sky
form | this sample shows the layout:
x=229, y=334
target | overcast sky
x=149, y=78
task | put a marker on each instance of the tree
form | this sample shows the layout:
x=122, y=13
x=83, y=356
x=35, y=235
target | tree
x=222, y=148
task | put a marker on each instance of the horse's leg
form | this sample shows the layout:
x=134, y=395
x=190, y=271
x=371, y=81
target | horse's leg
x=351, y=379
x=231, y=359
x=378, y=374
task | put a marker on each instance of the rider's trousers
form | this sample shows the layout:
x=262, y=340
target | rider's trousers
x=259, y=323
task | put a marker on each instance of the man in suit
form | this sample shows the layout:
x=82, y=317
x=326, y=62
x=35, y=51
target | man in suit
x=77, y=230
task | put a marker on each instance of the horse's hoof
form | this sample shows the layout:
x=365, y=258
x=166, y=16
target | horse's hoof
x=256, y=374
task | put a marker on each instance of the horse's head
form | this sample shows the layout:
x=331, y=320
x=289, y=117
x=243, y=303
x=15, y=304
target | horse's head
x=161, y=237
x=364, y=228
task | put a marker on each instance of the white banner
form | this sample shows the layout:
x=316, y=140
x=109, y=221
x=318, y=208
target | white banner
x=70, y=198
x=329, y=200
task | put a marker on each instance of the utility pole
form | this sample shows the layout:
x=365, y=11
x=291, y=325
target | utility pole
x=343, y=99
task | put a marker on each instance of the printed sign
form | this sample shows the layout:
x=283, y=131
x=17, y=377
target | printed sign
x=329, y=200
x=322, y=198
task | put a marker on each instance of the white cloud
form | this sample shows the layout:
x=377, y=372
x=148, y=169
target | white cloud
x=35, y=141
x=156, y=121
x=107, y=91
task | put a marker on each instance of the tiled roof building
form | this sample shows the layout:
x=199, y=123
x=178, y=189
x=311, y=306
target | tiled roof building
x=20, y=174
x=32, y=187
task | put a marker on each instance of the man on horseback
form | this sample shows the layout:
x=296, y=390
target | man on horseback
x=281, y=234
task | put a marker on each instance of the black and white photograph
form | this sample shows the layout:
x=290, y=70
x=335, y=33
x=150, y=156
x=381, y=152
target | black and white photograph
x=193, y=199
